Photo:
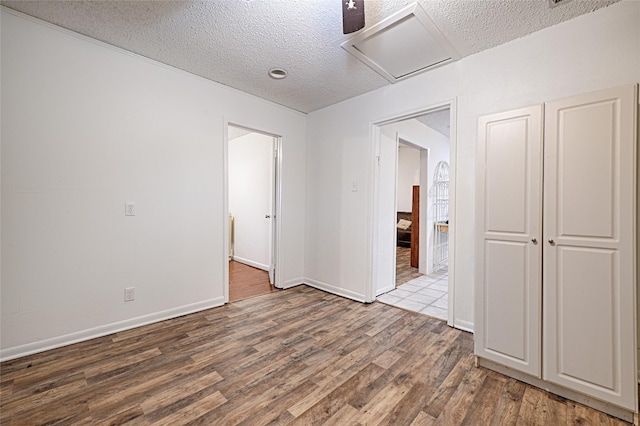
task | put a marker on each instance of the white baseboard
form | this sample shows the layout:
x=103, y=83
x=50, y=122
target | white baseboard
x=103, y=330
x=385, y=290
x=335, y=290
x=292, y=283
x=463, y=325
x=250, y=263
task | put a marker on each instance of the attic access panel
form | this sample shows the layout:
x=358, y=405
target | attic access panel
x=402, y=45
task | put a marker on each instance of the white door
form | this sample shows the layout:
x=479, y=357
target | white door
x=508, y=258
x=251, y=187
x=589, y=245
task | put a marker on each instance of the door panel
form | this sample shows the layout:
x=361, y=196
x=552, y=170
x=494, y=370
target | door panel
x=505, y=264
x=506, y=177
x=586, y=160
x=589, y=251
x=508, y=261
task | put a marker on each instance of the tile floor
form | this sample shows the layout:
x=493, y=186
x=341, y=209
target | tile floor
x=426, y=294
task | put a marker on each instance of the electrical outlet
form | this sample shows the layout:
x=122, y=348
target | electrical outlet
x=129, y=294
x=130, y=209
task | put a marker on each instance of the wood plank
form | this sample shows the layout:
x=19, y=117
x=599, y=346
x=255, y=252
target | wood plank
x=246, y=281
x=404, y=271
x=423, y=419
x=333, y=402
x=483, y=407
x=195, y=410
x=508, y=406
x=299, y=356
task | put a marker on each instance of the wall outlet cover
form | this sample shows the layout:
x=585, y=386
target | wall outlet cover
x=129, y=294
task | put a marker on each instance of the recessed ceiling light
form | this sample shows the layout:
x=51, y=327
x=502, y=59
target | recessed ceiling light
x=277, y=73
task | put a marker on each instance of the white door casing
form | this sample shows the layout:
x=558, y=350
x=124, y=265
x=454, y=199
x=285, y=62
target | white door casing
x=508, y=249
x=589, y=334
x=384, y=266
x=272, y=212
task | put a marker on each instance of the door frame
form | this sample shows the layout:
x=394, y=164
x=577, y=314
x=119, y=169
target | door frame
x=276, y=223
x=373, y=242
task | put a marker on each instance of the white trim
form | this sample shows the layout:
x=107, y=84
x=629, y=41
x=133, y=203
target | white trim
x=277, y=238
x=463, y=325
x=225, y=209
x=589, y=401
x=339, y=291
x=453, y=162
x=251, y=263
x=103, y=330
x=375, y=134
x=277, y=213
x=385, y=290
x=293, y=283
x=374, y=137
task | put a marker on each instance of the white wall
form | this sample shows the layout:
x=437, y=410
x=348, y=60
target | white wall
x=250, y=198
x=87, y=127
x=588, y=53
x=408, y=175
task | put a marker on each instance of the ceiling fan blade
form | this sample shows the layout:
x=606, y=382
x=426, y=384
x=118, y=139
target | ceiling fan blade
x=352, y=16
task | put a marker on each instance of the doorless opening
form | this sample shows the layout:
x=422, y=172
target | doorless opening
x=428, y=133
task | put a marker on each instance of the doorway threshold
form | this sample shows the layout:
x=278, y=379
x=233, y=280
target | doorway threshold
x=426, y=294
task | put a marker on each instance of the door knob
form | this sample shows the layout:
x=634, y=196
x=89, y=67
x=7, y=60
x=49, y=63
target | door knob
x=267, y=216
x=553, y=243
x=534, y=241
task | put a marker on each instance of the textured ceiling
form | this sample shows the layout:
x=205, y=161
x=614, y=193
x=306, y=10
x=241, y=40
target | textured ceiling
x=438, y=121
x=236, y=42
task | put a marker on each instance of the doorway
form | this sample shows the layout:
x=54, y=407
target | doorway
x=252, y=184
x=408, y=150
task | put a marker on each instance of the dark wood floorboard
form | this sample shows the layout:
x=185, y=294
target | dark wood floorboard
x=246, y=281
x=404, y=271
x=293, y=357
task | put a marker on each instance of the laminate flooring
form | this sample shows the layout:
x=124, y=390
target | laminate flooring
x=246, y=281
x=299, y=357
x=404, y=271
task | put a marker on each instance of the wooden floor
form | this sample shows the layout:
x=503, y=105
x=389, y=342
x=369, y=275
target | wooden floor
x=246, y=281
x=404, y=271
x=299, y=356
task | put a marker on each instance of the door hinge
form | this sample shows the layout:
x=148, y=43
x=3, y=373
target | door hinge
x=378, y=160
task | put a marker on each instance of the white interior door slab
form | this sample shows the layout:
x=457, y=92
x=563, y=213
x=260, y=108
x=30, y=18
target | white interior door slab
x=508, y=255
x=251, y=186
x=590, y=245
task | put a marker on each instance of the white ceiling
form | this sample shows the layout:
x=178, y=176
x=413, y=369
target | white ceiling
x=236, y=42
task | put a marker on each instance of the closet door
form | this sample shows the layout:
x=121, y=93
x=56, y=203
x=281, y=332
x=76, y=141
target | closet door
x=508, y=211
x=589, y=245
